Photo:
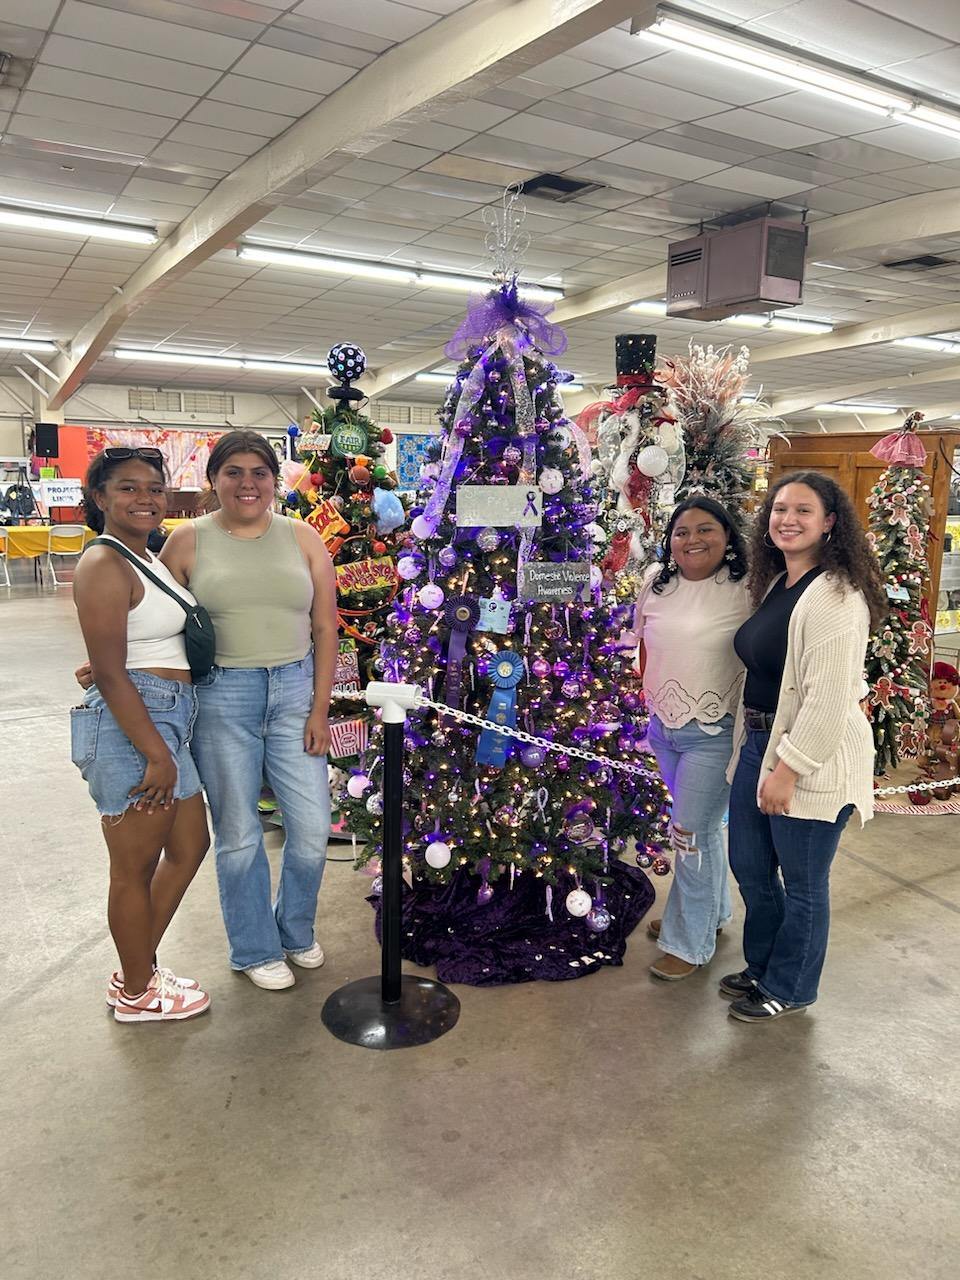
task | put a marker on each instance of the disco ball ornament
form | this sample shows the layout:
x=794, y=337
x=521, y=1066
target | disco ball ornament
x=430, y=596
x=357, y=785
x=579, y=903
x=488, y=539
x=532, y=757
x=598, y=918
x=661, y=866
x=438, y=854
x=375, y=803
x=551, y=480
x=376, y=886
x=346, y=361
x=645, y=859
x=484, y=894
x=447, y=557
x=653, y=461
x=512, y=455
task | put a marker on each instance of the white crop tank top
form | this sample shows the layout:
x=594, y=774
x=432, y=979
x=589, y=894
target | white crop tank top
x=155, y=626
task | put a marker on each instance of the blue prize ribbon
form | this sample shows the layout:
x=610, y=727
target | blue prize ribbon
x=506, y=672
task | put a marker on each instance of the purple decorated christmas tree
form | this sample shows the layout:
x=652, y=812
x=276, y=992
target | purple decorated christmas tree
x=513, y=847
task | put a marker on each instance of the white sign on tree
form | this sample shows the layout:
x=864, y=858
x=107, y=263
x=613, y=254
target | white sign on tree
x=490, y=506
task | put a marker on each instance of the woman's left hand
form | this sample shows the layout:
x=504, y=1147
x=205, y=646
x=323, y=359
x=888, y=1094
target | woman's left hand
x=776, y=790
x=316, y=734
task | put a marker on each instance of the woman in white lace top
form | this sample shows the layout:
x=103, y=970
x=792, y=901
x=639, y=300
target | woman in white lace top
x=687, y=612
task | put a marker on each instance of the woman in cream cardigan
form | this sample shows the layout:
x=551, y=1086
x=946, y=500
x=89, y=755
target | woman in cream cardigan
x=804, y=751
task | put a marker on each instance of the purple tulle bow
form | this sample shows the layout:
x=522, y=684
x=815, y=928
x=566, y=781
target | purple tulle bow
x=500, y=308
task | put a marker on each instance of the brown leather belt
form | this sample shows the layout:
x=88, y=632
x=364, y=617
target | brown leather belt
x=758, y=721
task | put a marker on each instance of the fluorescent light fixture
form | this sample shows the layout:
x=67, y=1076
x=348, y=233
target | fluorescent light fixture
x=761, y=58
x=570, y=386
x=382, y=271
x=942, y=345
x=253, y=364
x=437, y=379
x=863, y=409
x=831, y=266
x=90, y=228
x=788, y=324
x=27, y=344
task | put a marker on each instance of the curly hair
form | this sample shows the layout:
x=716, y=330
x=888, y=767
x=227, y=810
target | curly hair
x=846, y=554
x=95, y=481
x=736, y=565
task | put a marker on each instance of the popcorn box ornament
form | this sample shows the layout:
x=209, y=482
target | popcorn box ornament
x=347, y=738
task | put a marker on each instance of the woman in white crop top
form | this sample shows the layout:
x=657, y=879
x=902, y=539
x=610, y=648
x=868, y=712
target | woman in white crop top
x=688, y=610
x=131, y=737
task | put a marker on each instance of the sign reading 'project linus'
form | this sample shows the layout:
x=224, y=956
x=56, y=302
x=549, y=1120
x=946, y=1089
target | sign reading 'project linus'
x=518, y=506
x=542, y=580
x=61, y=493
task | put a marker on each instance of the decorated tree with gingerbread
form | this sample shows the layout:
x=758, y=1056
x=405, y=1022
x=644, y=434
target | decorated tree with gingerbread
x=898, y=657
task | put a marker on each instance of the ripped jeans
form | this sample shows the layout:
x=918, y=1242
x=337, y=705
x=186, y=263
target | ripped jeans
x=693, y=764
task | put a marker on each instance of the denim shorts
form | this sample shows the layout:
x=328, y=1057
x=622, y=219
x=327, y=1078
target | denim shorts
x=110, y=763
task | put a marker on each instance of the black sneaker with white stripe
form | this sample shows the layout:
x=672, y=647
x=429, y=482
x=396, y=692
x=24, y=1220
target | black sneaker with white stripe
x=737, y=984
x=756, y=1007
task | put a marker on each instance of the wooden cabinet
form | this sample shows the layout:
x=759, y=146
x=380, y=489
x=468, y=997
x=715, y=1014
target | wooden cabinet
x=847, y=459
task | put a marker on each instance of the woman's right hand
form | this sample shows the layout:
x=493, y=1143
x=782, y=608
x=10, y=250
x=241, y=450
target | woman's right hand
x=158, y=784
x=84, y=676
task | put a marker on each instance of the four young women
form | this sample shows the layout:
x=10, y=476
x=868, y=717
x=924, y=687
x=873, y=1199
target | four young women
x=761, y=689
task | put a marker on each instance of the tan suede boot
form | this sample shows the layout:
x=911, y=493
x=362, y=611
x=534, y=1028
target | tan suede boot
x=672, y=969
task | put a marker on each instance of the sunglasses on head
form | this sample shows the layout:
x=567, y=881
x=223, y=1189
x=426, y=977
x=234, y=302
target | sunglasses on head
x=120, y=453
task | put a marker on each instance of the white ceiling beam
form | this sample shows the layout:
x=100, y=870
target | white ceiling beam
x=870, y=333
x=798, y=401
x=459, y=57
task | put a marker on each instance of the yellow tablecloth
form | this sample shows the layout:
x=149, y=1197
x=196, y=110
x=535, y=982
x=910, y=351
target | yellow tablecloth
x=30, y=541
x=170, y=524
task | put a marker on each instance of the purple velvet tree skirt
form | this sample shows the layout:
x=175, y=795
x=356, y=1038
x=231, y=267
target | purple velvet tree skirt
x=511, y=938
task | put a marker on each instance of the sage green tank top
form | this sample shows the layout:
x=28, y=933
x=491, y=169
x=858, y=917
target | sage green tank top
x=258, y=592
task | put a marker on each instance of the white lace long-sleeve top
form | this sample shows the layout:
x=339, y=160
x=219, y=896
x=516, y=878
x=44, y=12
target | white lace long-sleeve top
x=692, y=671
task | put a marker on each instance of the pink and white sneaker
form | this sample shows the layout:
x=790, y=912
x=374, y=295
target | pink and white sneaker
x=115, y=985
x=162, y=1001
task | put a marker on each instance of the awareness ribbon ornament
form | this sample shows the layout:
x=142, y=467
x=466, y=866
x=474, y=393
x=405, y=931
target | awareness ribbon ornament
x=506, y=672
x=462, y=614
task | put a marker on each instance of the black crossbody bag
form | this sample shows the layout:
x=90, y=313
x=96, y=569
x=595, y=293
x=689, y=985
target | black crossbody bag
x=198, y=633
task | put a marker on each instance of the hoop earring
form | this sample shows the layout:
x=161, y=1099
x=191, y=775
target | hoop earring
x=828, y=536
x=767, y=542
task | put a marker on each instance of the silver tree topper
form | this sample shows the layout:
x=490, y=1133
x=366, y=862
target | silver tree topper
x=506, y=241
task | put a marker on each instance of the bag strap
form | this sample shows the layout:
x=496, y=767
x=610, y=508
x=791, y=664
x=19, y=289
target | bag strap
x=138, y=564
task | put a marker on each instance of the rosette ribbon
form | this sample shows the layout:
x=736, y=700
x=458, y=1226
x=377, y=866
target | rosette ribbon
x=506, y=672
x=461, y=614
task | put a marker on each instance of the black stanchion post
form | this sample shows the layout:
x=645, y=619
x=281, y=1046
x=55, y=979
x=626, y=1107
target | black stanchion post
x=396, y=1010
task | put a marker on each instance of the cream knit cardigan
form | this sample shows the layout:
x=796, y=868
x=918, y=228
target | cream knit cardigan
x=819, y=729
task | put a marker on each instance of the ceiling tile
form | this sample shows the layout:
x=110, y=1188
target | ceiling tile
x=86, y=135
x=205, y=135
x=540, y=132
x=661, y=160
x=841, y=28
x=941, y=17
x=163, y=39
x=644, y=95
x=378, y=17
x=750, y=182
x=121, y=64
x=115, y=93
x=283, y=68
x=938, y=72
x=243, y=91
x=30, y=13
x=53, y=108
x=695, y=75
x=267, y=124
x=773, y=133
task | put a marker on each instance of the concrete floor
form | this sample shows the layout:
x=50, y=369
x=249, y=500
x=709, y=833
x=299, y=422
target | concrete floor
x=611, y=1127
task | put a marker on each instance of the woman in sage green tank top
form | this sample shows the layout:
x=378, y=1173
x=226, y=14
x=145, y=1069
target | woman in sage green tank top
x=269, y=586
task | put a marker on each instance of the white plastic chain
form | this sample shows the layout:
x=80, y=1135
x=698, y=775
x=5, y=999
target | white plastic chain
x=621, y=765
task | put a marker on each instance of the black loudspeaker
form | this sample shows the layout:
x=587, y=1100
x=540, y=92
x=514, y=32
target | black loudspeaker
x=46, y=440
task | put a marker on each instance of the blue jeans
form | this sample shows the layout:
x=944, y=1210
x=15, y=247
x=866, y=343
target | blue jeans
x=250, y=725
x=788, y=919
x=693, y=764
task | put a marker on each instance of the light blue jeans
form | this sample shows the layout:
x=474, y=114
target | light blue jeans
x=693, y=764
x=250, y=725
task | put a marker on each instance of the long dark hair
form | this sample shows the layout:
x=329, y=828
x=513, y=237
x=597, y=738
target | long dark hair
x=99, y=471
x=735, y=562
x=846, y=554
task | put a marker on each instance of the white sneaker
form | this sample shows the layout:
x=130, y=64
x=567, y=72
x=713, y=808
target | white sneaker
x=272, y=977
x=311, y=957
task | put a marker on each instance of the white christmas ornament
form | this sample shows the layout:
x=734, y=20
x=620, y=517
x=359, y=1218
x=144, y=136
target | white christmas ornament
x=551, y=480
x=357, y=785
x=430, y=596
x=653, y=461
x=579, y=902
x=438, y=854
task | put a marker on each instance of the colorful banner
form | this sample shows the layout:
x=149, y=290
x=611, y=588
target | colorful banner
x=186, y=452
x=366, y=575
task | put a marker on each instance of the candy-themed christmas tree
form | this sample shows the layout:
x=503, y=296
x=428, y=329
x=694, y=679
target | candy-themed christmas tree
x=719, y=426
x=512, y=847
x=640, y=459
x=898, y=659
x=341, y=485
